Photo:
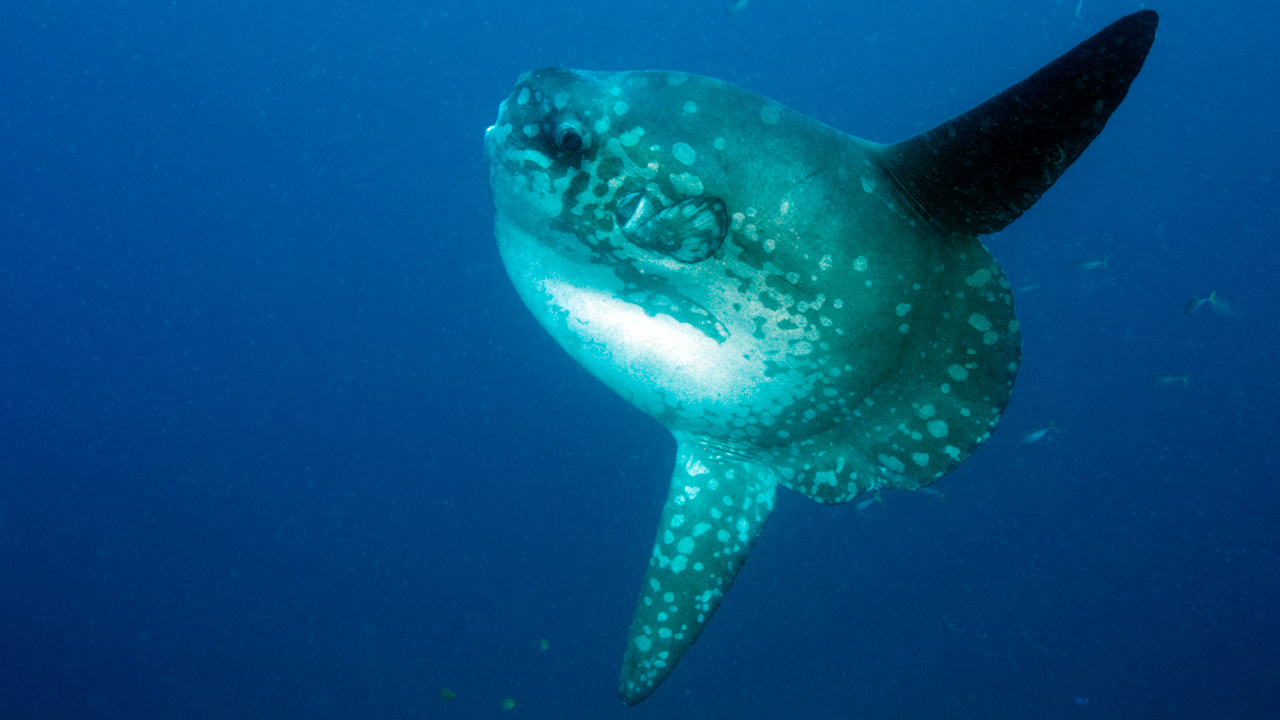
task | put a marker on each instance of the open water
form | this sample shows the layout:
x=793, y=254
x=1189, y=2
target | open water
x=278, y=439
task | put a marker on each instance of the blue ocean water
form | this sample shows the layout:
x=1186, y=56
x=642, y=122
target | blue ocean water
x=279, y=440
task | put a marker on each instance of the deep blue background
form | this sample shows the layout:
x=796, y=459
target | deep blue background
x=277, y=438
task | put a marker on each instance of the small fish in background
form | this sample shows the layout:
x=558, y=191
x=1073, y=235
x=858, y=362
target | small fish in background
x=544, y=645
x=735, y=7
x=1183, y=379
x=508, y=704
x=1079, y=8
x=445, y=695
x=936, y=493
x=864, y=504
x=1082, y=700
x=1219, y=306
x=1092, y=264
x=1037, y=435
x=1196, y=303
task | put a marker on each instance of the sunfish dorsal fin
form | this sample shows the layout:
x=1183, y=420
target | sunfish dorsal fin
x=979, y=171
x=716, y=507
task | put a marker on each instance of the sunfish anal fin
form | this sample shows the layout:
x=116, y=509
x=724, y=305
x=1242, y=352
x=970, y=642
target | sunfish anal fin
x=715, y=510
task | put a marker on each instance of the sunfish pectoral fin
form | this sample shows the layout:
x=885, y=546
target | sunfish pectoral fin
x=715, y=509
x=979, y=171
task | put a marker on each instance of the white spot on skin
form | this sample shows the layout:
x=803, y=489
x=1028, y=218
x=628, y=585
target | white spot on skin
x=719, y=144
x=979, y=322
x=687, y=183
x=868, y=185
x=860, y=263
x=523, y=97
x=920, y=459
x=691, y=107
x=979, y=278
x=685, y=546
x=631, y=137
x=643, y=643
x=669, y=597
x=770, y=113
x=500, y=132
x=679, y=563
x=903, y=309
x=892, y=463
x=957, y=373
x=938, y=428
x=684, y=152
x=620, y=108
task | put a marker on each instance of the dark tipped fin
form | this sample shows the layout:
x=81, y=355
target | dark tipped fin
x=978, y=172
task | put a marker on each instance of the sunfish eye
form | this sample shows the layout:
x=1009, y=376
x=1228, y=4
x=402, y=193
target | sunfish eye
x=569, y=137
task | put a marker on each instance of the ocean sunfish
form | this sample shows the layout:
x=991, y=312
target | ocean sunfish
x=799, y=307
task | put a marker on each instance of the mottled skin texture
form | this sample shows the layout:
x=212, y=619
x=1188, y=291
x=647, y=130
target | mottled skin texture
x=840, y=340
x=827, y=321
x=827, y=346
